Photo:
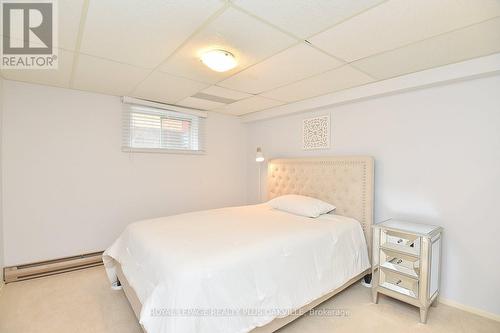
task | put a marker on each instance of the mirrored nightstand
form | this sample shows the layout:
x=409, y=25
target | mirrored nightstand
x=406, y=263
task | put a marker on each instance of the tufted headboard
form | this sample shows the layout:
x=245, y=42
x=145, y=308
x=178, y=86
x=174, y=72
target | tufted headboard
x=344, y=181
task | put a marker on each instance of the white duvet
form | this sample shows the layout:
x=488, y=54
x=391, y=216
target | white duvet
x=233, y=269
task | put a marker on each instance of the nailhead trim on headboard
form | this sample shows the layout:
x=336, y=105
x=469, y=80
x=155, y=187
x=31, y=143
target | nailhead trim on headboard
x=344, y=181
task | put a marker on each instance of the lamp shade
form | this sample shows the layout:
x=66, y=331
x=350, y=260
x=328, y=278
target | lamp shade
x=259, y=157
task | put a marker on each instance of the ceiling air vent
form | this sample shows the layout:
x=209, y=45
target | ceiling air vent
x=214, y=98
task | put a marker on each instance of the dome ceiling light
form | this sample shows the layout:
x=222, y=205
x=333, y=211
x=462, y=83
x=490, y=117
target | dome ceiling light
x=219, y=60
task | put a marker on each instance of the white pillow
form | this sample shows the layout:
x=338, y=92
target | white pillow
x=301, y=205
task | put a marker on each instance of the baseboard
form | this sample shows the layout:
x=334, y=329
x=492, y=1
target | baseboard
x=51, y=267
x=470, y=309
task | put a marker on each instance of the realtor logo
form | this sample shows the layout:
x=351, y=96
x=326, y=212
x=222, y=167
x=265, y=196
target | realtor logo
x=29, y=34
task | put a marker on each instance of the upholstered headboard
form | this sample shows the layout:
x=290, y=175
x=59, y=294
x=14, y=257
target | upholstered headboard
x=344, y=181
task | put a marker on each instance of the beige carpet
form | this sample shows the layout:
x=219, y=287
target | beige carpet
x=82, y=301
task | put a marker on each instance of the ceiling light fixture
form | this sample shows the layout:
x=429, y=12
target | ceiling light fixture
x=219, y=60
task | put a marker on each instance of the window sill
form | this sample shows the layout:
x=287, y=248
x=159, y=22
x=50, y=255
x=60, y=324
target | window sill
x=162, y=151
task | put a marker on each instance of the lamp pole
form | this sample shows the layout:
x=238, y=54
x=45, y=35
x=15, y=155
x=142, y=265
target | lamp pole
x=260, y=185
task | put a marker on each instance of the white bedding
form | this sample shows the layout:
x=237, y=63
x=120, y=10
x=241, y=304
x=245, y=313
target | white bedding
x=223, y=260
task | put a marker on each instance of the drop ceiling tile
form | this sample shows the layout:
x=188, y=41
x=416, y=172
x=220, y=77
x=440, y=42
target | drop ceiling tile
x=396, y=23
x=69, y=16
x=167, y=88
x=305, y=18
x=248, y=39
x=225, y=93
x=334, y=80
x=475, y=41
x=59, y=77
x=252, y=104
x=106, y=76
x=293, y=64
x=142, y=33
x=198, y=103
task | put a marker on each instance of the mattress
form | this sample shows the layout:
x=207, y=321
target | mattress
x=233, y=269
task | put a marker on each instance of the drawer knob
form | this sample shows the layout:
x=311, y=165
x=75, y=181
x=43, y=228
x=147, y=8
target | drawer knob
x=400, y=261
x=399, y=281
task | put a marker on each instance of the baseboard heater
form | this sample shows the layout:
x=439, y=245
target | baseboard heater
x=51, y=267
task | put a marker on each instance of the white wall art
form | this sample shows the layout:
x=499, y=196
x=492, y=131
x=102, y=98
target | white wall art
x=316, y=133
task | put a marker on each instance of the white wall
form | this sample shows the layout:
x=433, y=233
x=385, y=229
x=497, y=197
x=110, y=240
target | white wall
x=68, y=188
x=1, y=210
x=437, y=155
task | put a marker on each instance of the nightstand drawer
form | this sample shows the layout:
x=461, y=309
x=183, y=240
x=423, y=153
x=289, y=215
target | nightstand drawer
x=400, y=242
x=401, y=263
x=399, y=283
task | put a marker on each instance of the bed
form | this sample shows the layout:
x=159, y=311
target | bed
x=251, y=268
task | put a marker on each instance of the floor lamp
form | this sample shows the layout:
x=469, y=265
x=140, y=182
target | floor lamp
x=259, y=158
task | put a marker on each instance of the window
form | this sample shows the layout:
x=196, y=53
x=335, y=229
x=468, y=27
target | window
x=147, y=128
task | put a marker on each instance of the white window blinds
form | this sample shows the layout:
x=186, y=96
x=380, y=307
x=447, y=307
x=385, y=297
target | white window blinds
x=153, y=127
